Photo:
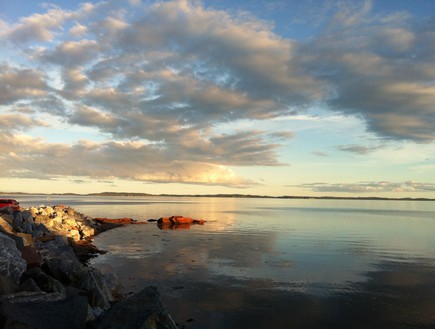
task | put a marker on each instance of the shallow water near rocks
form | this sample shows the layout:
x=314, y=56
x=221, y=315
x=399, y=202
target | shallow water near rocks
x=274, y=263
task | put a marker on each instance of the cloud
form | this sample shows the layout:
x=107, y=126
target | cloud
x=18, y=122
x=168, y=74
x=37, y=27
x=370, y=187
x=107, y=160
x=71, y=53
x=381, y=71
x=357, y=149
x=21, y=84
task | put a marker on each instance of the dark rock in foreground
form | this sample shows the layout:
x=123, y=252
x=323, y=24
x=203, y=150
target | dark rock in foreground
x=40, y=310
x=143, y=310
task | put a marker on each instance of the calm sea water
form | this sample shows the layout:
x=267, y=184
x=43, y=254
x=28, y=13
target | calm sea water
x=272, y=263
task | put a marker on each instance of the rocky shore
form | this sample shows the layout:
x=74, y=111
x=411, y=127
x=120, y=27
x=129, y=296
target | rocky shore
x=45, y=281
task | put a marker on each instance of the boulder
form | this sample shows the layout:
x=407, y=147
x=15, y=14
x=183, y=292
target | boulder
x=143, y=310
x=6, y=285
x=44, y=281
x=19, y=241
x=39, y=310
x=34, y=211
x=11, y=263
x=5, y=223
x=112, y=281
x=27, y=217
x=42, y=219
x=7, y=210
x=28, y=285
x=31, y=256
x=40, y=230
x=27, y=239
x=17, y=222
x=99, y=294
x=60, y=261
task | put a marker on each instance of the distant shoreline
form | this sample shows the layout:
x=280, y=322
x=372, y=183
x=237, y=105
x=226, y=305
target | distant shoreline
x=250, y=196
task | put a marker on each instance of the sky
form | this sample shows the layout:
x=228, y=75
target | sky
x=304, y=98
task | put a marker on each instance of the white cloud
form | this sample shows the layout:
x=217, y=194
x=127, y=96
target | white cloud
x=170, y=74
x=107, y=160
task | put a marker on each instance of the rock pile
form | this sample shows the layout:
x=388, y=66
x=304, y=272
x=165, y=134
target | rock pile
x=44, y=285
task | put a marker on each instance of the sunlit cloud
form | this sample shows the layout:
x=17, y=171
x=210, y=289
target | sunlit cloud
x=204, y=90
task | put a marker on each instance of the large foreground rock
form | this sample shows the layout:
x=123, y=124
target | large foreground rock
x=40, y=310
x=60, y=261
x=143, y=310
x=11, y=263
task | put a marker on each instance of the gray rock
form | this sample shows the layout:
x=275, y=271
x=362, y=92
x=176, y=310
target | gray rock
x=11, y=263
x=43, y=280
x=17, y=222
x=143, y=310
x=98, y=293
x=6, y=285
x=39, y=230
x=27, y=217
x=19, y=241
x=39, y=310
x=27, y=228
x=28, y=285
x=61, y=262
x=112, y=281
x=7, y=210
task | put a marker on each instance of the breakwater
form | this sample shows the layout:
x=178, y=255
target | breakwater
x=45, y=281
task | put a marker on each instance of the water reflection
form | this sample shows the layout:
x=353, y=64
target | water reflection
x=279, y=263
x=243, y=281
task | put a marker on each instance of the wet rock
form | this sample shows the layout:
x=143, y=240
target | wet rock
x=39, y=310
x=179, y=220
x=11, y=263
x=112, y=281
x=98, y=292
x=143, y=310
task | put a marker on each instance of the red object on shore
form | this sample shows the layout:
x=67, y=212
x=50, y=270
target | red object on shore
x=9, y=203
x=180, y=220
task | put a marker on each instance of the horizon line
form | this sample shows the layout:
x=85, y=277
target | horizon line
x=228, y=195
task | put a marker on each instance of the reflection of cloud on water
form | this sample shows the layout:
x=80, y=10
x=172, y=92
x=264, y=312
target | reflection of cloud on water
x=394, y=295
x=273, y=279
